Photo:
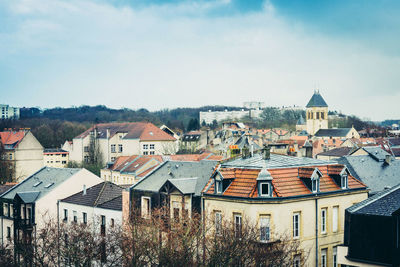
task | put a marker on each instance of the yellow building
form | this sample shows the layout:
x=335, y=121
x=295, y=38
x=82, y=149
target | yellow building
x=23, y=151
x=54, y=157
x=303, y=198
x=316, y=114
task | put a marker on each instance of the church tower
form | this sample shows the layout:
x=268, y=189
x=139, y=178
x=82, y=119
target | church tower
x=316, y=114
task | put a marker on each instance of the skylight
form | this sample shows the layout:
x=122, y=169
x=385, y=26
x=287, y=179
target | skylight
x=36, y=184
x=48, y=185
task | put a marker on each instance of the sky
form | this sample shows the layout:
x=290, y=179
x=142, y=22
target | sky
x=157, y=54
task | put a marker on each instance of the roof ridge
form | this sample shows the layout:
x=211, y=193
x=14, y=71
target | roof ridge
x=101, y=192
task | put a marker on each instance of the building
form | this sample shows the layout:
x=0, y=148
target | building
x=121, y=139
x=27, y=205
x=194, y=141
x=99, y=206
x=301, y=124
x=252, y=110
x=130, y=169
x=174, y=184
x=8, y=112
x=372, y=231
x=374, y=167
x=23, y=152
x=316, y=113
x=344, y=133
x=55, y=157
x=335, y=153
x=302, y=197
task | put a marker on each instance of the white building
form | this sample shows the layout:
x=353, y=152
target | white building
x=99, y=206
x=8, y=112
x=121, y=139
x=36, y=198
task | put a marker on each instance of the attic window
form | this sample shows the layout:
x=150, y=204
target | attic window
x=151, y=133
x=48, y=185
x=37, y=184
x=344, y=179
x=218, y=186
x=265, y=189
x=315, y=178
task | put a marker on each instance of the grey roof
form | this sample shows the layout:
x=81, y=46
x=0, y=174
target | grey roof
x=374, y=173
x=303, y=133
x=307, y=144
x=185, y=185
x=96, y=195
x=29, y=197
x=113, y=204
x=43, y=181
x=337, y=152
x=316, y=101
x=244, y=141
x=376, y=152
x=384, y=203
x=301, y=121
x=337, y=132
x=54, y=150
x=171, y=170
x=275, y=161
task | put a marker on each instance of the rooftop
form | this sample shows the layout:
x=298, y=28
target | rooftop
x=10, y=139
x=337, y=132
x=337, y=152
x=384, y=203
x=103, y=195
x=145, y=131
x=42, y=181
x=316, y=101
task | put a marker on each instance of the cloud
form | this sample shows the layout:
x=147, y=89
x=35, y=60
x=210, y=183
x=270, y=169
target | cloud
x=185, y=53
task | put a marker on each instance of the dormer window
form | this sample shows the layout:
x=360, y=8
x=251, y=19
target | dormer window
x=344, y=183
x=315, y=185
x=218, y=186
x=264, y=181
x=315, y=179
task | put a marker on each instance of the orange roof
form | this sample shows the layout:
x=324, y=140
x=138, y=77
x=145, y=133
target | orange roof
x=11, y=138
x=145, y=131
x=195, y=157
x=286, y=182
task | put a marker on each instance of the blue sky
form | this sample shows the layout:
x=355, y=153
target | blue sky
x=164, y=54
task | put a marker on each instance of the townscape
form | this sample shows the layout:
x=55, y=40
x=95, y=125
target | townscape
x=226, y=193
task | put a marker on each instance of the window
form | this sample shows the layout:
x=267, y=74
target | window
x=65, y=215
x=296, y=261
x=84, y=217
x=344, y=181
x=145, y=152
x=315, y=185
x=334, y=257
x=8, y=232
x=103, y=220
x=6, y=209
x=112, y=159
x=296, y=224
x=112, y=222
x=86, y=159
x=265, y=189
x=64, y=162
x=112, y=148
x=10, y=156
x=264, y=228
x=176, y=214
x=323, y=220
x=151, y=146
x=219, y=187
x=86, y=149
x=120, y=148
x=151, y=152
x=145, y=146
x=64, y=155
x=323, y=115
x=238, y=225
x=146, y=207
x=218, y=223
x=323, y=257
x=11, y=211
x=335, y=217
x=317, y=115
x=75, y=216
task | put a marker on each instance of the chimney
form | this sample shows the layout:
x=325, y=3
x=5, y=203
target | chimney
x=84, y=190
x=388, y=159
x=266, y=152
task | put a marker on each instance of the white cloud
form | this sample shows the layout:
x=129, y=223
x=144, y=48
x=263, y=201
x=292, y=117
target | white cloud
x=175, y=55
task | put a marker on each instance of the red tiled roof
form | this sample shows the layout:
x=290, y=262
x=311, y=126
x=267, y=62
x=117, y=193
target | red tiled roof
x=145, y=131
x=143, y=174
x=11, y=138
x=286, y=181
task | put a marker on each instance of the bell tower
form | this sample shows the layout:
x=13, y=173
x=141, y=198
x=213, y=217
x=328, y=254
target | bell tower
x=316, y=113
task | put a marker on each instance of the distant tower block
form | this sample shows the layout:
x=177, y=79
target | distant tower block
x=316, y=113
